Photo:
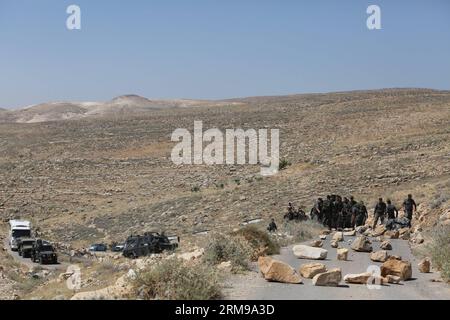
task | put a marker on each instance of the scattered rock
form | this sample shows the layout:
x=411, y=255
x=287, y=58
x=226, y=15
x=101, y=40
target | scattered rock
x=393, y=279
x=350, y=233
x=362, y=244
x=379, y=230
x=425, y=265
x=398, y=268
x=338, y=236
x=379, y=256
x=363, y=278
x=392, y=234
x=386, y=245
x=309, y=270
x=334, y=244
x=316, y=244
x=278, y=271
x=307, y=252
x=323, y=237
x=417, y=238
x=342, y=254
x=328, y=279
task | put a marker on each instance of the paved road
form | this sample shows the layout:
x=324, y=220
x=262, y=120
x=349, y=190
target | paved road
x=253, y=286
x=28, y=263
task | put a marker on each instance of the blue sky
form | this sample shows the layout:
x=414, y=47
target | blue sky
x=217, y=49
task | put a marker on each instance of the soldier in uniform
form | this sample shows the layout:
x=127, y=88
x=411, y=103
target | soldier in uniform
x=272, y=226
x=379, y=212
x=316, y=210
x=326, y=209
x=391, y=210
x=409, y=205
x=339, y=207
x=361, y=214
x=346, y=213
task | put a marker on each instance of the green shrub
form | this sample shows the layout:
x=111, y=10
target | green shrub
x=260, y=241
x=440, y=250
x=284, y=163
x=173, y=279
x=222, y=248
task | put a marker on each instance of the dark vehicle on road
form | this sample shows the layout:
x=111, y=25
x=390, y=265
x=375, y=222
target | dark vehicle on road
x=98, y=247
x=25, y=247
x=150, y=242
x=43, y=252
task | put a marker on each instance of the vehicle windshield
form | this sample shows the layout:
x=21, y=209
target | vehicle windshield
x=27, y=243
x=47, y=248
x=21, y=233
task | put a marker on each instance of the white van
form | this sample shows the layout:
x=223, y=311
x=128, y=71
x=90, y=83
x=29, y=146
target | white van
x=18, y=229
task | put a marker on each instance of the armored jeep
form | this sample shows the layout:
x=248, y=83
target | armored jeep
x=150, y=242
x=43, y=252
x=25, y=247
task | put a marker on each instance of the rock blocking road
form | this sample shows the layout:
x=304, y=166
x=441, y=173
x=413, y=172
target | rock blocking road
x=252, y=286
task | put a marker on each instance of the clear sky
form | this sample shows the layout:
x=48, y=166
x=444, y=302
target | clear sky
x=215, y=49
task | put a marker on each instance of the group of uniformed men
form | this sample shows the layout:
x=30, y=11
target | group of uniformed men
x=336, y=212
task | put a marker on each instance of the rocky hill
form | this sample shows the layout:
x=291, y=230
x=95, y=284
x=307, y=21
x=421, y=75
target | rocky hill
x=119, y=106
x=101, y=178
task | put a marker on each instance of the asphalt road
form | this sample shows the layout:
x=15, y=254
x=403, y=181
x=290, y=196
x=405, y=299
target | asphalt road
x=30, y=264
x=253, y=286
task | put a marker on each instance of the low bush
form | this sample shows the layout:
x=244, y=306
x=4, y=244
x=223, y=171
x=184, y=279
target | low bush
x=222, y=248
x=174, y=279
x=260, y=241
x=440, y=250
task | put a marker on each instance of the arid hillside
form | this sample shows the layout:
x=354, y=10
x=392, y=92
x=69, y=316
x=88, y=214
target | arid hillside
x=102, y=178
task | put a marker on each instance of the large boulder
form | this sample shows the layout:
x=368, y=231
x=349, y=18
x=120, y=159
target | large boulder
x=425, y=265
x=338, y=236
x=379, y=256
x=328, y=279
x=397, y=268
x=386, y=245
x=342, y=254
x=362, y=244
x=264, y=263
x=278, y=271
x=309, y=270
x=307, y=252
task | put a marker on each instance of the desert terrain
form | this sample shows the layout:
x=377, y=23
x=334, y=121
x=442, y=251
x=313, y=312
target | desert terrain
x=85, y=173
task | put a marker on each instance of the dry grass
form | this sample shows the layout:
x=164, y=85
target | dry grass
x=260, y=241
x=172, y=279
x=440, y=250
